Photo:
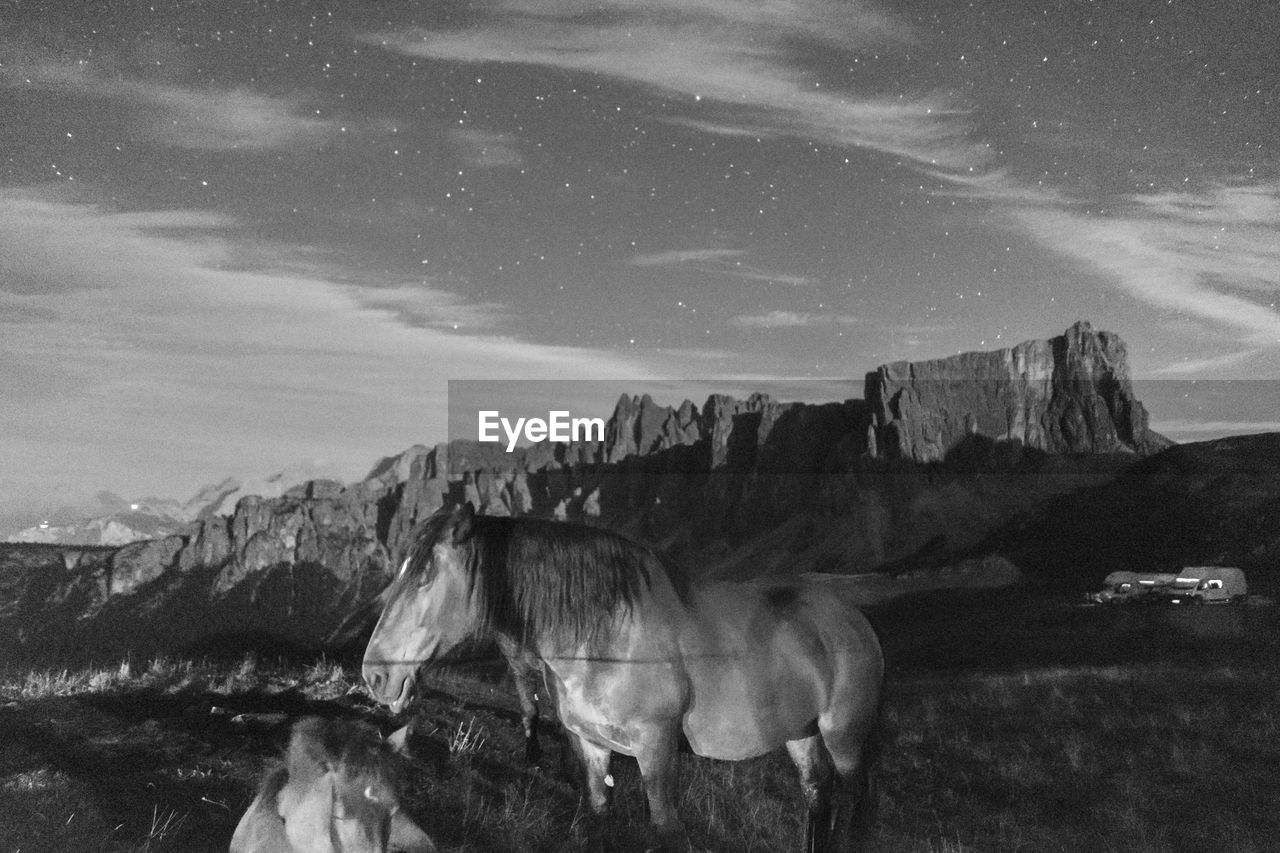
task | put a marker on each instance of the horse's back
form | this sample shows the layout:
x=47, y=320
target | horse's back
x=765, y=617
x=766, y=660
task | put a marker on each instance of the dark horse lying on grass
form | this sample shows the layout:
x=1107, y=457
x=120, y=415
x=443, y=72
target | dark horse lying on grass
x=635, y=655
x=337, y=792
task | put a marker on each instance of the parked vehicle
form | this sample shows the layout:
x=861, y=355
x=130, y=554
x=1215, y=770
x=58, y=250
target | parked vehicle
x=1207, y=585
x=1190, y=585
x=1128, y=587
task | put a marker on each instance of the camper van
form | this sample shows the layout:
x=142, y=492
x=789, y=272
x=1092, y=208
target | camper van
x=1191, y=585
x=1207, y=585
x=1127, y=587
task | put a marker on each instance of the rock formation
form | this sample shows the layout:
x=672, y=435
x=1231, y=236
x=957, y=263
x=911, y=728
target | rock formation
x=1070, y=394
x=640, y=427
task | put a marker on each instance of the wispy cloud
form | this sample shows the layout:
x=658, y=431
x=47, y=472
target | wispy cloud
x=755, y=274
x=716, y=54
x=487, y=149
x=1196, y=366
x=791, y=320
x=719, y=262
x=130, y=337
x=922, y=334
x=684, y=256
x=424, y=306
x=1213, y=257
x=197, y=118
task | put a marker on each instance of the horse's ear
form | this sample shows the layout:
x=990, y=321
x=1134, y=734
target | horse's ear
x=463, y=516
x=408, y=836
x=399, y=739
x=288, y=799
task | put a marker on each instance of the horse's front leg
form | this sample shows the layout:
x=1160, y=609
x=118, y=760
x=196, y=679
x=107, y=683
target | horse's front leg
x=597, y=787
x=527, y=673
x=659, y=759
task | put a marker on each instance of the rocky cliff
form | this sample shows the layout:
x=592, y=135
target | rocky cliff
x=1070, y=394
x=939, y=454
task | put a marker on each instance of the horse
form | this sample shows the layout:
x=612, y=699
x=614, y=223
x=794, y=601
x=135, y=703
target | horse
x=336, y=792
x=526, y=669
x=636, y=654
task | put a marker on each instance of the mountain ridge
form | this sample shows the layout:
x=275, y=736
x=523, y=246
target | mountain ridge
x=916, y=475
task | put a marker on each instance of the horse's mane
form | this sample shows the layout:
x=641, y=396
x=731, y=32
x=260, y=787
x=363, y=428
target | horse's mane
x=318, y=745
x=537, y=578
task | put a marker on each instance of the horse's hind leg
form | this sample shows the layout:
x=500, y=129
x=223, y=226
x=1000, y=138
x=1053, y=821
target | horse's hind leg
x=814, y=764
x=658, y=756
x=852, y=752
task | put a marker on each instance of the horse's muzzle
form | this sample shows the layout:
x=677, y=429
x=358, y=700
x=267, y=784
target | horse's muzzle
x=391, y=688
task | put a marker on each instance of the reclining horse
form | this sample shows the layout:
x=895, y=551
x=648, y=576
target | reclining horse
x=336, y=792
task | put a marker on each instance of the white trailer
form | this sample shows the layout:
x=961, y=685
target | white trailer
x=1124, y=587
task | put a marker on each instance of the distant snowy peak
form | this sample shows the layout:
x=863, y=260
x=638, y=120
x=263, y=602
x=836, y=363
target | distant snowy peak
x=115, y=529
x=118, y=521
x=222, y=498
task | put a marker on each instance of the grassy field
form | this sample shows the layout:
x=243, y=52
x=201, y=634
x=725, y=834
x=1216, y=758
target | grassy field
x=1008, y=726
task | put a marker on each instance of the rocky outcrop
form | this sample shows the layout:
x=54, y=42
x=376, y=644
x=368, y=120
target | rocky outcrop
x=422, y=493
x=325, y=526
x=1069, y=394
x=137, y=564
x=393, y=470
x=736, y=429
x=640, y=427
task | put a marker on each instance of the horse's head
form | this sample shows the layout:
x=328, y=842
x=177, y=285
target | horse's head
x=341, y=793
x=432, y=606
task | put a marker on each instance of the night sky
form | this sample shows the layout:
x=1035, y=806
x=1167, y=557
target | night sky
x=238, y=236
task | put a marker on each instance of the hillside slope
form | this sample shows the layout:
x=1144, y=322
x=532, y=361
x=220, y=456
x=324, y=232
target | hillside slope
x=1208, y=503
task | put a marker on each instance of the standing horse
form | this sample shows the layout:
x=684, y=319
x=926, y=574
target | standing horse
x=337, y=792
x=636, y=654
